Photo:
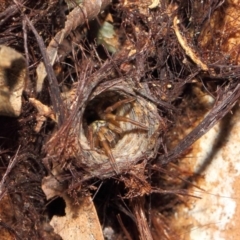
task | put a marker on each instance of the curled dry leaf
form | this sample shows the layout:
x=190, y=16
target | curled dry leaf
x=85, y=11
x=12, y=81
x=189, y=51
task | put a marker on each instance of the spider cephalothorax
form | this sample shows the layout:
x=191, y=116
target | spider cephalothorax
x=105, y=133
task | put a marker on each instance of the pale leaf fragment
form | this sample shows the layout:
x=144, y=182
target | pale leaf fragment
x=154, y=4
x=12, y=81
x=188, y=50
x=44, y=112
x=80, y=220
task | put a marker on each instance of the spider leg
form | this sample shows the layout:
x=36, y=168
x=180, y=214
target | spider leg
x=107, y=149
x=90, y=136
x=114, y=118
x=118, y=104
x=93, y=140
x=114, y=127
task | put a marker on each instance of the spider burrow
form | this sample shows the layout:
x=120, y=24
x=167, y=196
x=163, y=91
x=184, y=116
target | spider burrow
x=118, y=130
x=114, y=130
x=105, y=132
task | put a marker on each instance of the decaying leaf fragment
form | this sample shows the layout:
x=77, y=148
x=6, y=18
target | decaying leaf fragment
x=12, y=81
x=43, y=112
x=189, y=51
x=80, y=220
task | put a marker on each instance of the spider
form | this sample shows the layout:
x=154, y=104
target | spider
x=102, y=133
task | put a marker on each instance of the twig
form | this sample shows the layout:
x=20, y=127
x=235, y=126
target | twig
x=123, y=227
x=24, y=28
x=53, y=84
x=11, y=165
x=221, y=108
x=8, y=13
x=139, y=212
x=25, y=42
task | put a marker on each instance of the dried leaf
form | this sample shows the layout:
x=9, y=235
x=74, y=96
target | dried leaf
x=12, y=81
x=80, y=220
x=108, y=38
x=78, y=16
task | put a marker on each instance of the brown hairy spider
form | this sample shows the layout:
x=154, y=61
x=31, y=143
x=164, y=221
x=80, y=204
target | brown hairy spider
x=102, y=133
